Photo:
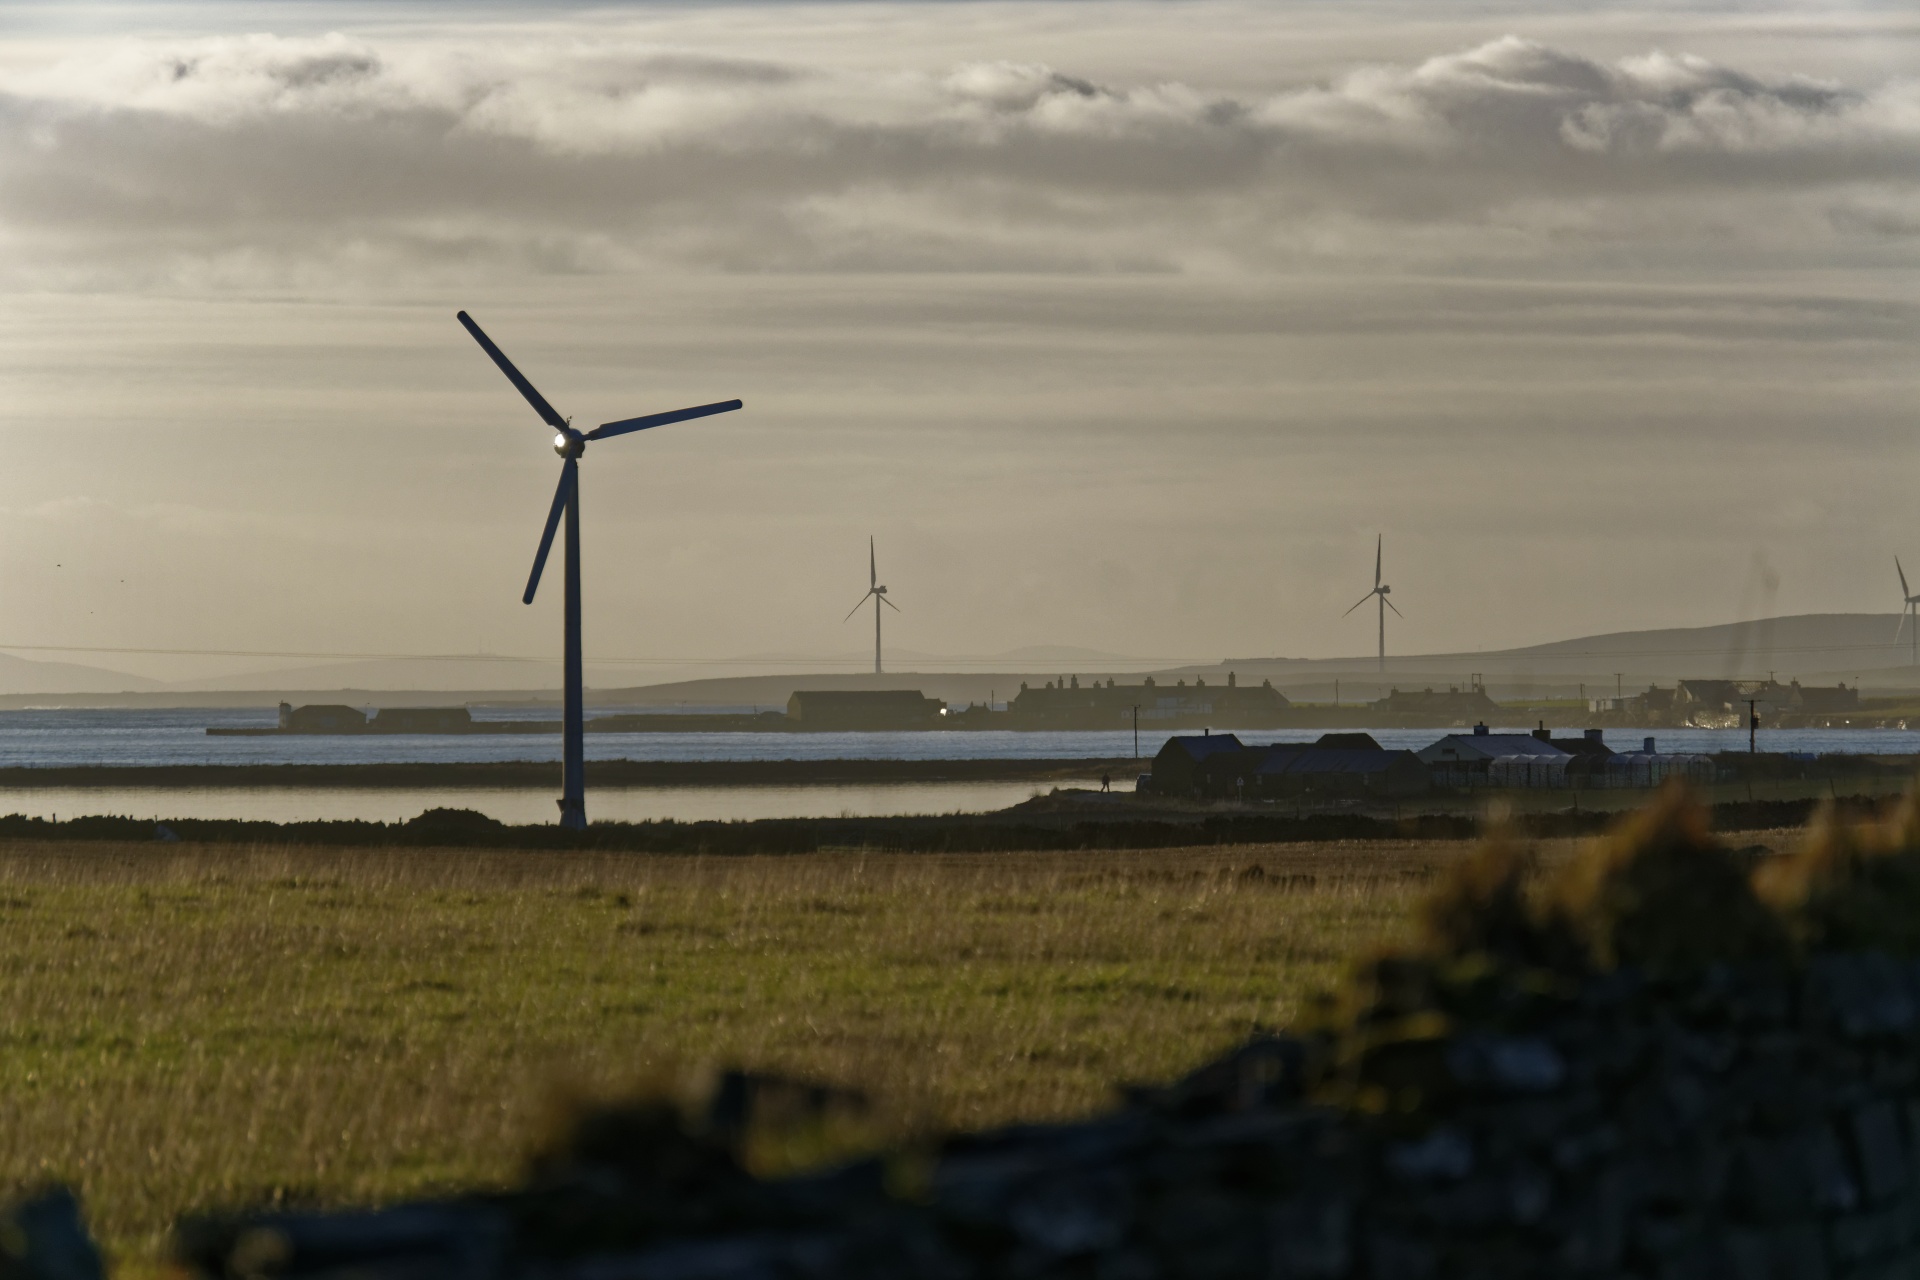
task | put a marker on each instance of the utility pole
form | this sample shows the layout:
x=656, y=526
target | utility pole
x=1753, y=724
x=1136, y=731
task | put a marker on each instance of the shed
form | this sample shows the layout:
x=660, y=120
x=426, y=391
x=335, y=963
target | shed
x=1177, y=769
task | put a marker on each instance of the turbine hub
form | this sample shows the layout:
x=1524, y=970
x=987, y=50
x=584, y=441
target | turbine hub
x=569, y=443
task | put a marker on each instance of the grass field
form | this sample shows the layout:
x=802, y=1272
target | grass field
x=189, y=1027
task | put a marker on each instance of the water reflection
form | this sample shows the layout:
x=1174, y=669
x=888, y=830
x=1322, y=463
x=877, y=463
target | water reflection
x=525, y=805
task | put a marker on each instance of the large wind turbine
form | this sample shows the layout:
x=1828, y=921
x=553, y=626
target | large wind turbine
x=1910, y=614
x=879, y=594
x=570, y=444
x=1380, y=592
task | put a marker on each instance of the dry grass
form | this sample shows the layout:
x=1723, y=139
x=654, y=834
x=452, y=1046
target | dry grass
x=198, y=1026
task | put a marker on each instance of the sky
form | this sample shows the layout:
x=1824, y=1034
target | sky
x=1120, y=325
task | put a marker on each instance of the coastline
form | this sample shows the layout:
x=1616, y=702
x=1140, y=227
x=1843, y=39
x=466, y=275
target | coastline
x=600, y=773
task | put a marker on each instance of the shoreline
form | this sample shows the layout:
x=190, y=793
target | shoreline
x=600, y=773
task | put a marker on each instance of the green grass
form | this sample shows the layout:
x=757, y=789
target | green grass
x=203, y=1026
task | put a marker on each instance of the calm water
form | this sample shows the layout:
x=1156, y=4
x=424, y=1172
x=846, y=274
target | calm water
x=45, y=738
x=49, y=738
x=524, y=805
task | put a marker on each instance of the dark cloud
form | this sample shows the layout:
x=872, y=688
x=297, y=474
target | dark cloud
x=582, y=156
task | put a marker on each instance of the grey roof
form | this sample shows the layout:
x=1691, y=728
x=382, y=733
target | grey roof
x=1199, y=747
x=1489, y=746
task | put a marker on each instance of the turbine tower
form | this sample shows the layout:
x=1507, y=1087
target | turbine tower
x=1908, y=615
x=879, y=594
x=570, y=444
x=1380, y=592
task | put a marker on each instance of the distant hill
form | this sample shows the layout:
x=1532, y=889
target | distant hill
x=1819, y=648
x=1811, y=647
x=29, y=675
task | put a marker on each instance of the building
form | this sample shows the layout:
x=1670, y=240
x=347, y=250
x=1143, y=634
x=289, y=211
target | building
x=422, y=720
x=1651, y=707
x=1455, y=706
x=870, y=709
x=1483, y=759
x=1339, y=765
x=1714, y=704
x=1068, y=704
x=321, y=718
x=1179, y=768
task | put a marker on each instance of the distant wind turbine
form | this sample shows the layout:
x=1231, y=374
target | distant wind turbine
x=879, y=594
x=1910, y=614
x=1380, y=592
x=570, y=444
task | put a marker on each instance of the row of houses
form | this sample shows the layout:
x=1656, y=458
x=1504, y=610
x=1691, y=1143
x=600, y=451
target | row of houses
x=1714, y=704
x=1353, y=765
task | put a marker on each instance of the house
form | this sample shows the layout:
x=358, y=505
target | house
x=864, y=709
x=1483, y=758
x=422, y=720
x=1178, y=768
x=321, y=718
x=1068, y=704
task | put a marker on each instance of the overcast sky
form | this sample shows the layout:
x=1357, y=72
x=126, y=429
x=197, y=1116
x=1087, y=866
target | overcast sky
x=1120, y=325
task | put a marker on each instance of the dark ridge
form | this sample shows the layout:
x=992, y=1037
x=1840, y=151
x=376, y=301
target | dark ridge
x=464, y=828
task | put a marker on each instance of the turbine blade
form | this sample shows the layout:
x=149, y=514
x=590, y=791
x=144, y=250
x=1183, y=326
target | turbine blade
x=1391, y=605
x=858, y=607
x=568, y=474
x=889, y=603
x=1905, y=590
x=534, y=398
x=1357, y=603
x=1378, y=543
x=1902, y=628
x=625, y=425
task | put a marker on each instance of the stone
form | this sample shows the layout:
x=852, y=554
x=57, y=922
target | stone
x=1392, y=1256
x=1073, y=1214
x=1864, y=1237
x=1444, y=1155
x=1510, y=1064
x=1596, y=1231
x=1312, y=1239
x=1878, y=1150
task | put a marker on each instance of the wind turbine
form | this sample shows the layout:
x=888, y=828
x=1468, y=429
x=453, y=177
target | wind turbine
x=570, y=444
x=1380, y=593
x=879, y=594
x=1910, y=614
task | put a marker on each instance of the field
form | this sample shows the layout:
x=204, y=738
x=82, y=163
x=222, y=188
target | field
x=197, y=1026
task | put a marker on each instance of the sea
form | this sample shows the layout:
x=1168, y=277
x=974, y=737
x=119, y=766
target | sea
x=66, y=738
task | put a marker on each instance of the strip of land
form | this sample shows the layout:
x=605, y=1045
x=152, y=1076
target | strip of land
x=600, y=773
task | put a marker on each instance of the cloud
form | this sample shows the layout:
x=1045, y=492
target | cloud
x=260, y=157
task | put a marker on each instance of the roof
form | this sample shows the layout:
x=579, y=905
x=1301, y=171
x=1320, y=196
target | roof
x=1490, y=746
x=1199, y=747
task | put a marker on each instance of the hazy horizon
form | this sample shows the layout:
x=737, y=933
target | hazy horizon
x=1125, y=326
